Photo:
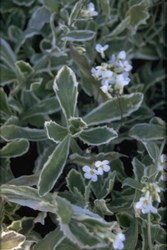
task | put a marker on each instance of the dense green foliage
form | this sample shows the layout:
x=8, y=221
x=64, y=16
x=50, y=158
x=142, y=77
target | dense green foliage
x=82, y=152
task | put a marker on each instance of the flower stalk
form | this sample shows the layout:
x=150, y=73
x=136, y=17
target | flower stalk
x=149, y=230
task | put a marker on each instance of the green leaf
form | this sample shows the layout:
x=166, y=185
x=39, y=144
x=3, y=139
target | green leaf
x=24, y=69
x=79, y=35
x=124, y=219
x=45, y=106
x=7, y=54
x=88, y=160
x=6, y=176
x=15, y=226
x=28, y=196
x=63, y=210
x=158, y=235
x=40, y=218
x=87, y=86
x=67, y=244
x=131, y=236
x=4, y=103
x=105, y=5
x=119, y=204
x=76, y=126
x=98, y=136
x=74, y=12
x=65, y=86
x=54, y=238
x=147, y=52
x=13, y=132
x=147, y=132
x=120, y=28
x=80, y=235
x=92, y=222
x=7, y=76
x=138, y=15
x=75, y=180
x=30, y=32
x=110, y=110
x=101, y=205
x=53, y=167
x=138, y=169
x=83, y=64
x=51, y=5
x=117, y=165
x=152, y=149
x=11, y=240
x=132, y=183
x=25, y=180
x=39, y=17
x=23, y=2
x=55, y=132
x=102, y=188
x=15, y=148
x=43, y=156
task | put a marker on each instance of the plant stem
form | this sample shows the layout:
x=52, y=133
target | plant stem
x=120, y=108
x=149, y=231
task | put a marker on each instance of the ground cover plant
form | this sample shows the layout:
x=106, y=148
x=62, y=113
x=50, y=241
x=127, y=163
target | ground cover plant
x=83, y=163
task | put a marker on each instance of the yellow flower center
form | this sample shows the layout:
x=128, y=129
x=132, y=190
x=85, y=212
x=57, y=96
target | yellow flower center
x=145, y=202
x=101, y=166
x=91, y=172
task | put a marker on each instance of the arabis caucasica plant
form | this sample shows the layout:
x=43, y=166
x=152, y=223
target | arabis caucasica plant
x=83, y=163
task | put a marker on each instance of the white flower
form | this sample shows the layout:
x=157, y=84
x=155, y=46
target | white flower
x=90, y=173
x=91, y=10
x=102, y=166
x=96, y=73
x=162, y=164
x=118, y=241
x=164, y=176
x=107, y=78
x=101, y=49
x=112, y=59
x=145, y=205
x=121, y=55
x=124, y=65
x=101, y=70
x=121, y=81
x=105, y=88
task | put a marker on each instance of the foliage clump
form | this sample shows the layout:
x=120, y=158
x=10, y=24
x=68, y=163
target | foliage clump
x=82, y=127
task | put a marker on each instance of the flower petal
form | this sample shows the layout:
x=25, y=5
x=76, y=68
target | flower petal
x=100, y=171
x=87, y=176
x=98, y=163
x=94, y=178
x=105, y=47
x=86, y=168
x=98, y=47
x=105, y=162
x=106, y=168
x=122, y=55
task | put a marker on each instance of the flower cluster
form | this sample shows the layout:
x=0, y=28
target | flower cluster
x=150, y=193
x=113, y=74
x=99, y=167
x=89, y=12
x=162, y=166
